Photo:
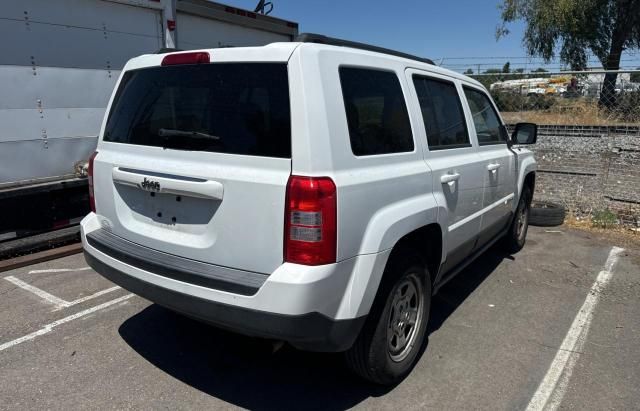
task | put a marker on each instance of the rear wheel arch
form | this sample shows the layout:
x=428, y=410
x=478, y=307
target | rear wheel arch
x=426, y=242
x=369, y=356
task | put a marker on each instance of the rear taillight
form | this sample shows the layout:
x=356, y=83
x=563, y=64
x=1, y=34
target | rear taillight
x=310, y=221
x=92, y=200
x=196, y=57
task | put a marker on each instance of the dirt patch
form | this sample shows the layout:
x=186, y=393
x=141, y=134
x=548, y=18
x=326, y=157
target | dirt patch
x=618, y=235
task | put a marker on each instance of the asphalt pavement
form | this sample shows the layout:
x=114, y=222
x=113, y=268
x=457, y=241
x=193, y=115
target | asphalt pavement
x=559, y=321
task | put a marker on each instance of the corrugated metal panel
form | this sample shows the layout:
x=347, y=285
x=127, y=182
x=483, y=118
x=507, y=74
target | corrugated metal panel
x=57, y=70
x=237, y=17
x=199, y=32
x=62, y=58
x=27, y=160
x=83, y=13
x=28, y=124
x=55, y=87
x=76, y=33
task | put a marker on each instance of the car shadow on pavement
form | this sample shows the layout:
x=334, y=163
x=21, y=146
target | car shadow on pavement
x=247, y=373
x=456, y=291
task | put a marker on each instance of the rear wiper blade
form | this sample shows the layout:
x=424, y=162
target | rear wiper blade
x=165, y=132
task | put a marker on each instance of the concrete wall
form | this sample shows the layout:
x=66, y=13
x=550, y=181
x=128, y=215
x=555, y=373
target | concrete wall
x=590, y=169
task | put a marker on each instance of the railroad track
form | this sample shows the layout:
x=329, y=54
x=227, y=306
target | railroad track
x=39, y=248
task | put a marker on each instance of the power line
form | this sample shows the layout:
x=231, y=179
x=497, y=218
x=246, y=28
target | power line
x=590, y=56
x=556, y=63
x=513, y=67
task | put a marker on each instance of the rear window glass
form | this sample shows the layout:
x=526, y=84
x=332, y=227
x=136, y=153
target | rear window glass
x=376, y=112
x=235, y=108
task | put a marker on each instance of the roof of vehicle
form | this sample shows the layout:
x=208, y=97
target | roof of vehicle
x=274, y=52
x=409, y=60
x=282, y=51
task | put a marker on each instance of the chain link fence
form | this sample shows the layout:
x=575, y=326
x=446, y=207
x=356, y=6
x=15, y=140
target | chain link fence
x=588, y=148
x=581, y=98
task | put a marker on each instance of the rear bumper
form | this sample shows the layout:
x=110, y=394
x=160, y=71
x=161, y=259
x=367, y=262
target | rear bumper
x=318, y=308
x=312, y=331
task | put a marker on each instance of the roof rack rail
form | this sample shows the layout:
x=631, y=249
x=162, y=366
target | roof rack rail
x=322, y=39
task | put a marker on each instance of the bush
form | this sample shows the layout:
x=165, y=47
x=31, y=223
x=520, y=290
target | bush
x=508, y=101
x=604, y=218
x=505, y=101
x=540, y=102
x=628, y=106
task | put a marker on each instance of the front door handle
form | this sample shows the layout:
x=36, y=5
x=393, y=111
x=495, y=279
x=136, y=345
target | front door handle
x=449, y=178
x=493, y=167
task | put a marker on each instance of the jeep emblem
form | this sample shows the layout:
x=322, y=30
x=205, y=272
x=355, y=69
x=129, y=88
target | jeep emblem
x=150, y=185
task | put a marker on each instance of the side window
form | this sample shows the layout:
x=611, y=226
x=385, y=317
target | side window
x=376, y=112
x=442, y=113
x=489, y=129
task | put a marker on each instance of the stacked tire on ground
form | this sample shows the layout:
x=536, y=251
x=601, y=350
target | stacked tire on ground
x=546, y=214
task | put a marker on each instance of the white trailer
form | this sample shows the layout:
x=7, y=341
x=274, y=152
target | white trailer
x=60, y=60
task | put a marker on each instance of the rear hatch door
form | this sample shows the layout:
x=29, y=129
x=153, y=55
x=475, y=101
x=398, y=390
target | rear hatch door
x=195, y=159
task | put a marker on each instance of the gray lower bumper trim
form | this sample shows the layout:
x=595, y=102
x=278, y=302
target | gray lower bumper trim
x=174, y=267
x=312, y=331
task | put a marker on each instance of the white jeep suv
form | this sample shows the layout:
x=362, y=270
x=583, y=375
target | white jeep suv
x=316, y=192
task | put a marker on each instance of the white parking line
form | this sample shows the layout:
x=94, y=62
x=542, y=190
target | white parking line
x=49, y=327
x=92, y=296
x=59, y=270
x=551, y=390
x=59, y=303
x=52, y=299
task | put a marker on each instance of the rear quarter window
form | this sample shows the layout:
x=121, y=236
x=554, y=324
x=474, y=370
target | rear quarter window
x=234, y=108
x=376, y=112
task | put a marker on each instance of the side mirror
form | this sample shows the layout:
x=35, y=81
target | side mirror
x=525, y=133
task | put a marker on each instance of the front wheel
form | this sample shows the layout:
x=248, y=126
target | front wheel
x=388, y=346
x=517, y=234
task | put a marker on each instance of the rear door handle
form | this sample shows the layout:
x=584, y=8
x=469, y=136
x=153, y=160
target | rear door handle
x=493, y=167
x=449, y=178
x=184, y=187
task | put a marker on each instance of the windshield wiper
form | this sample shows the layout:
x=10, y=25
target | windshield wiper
x=165, y=132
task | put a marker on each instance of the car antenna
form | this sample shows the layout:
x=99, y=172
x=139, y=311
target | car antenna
x=262, y=4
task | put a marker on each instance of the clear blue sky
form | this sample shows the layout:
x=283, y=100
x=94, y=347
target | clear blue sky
x=434, y=29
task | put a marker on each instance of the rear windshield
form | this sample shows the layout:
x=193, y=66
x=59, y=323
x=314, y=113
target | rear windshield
x=235, y=108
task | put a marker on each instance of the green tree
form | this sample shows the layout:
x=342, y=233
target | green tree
x=517, y=74
x=540, y=72
x=468, y=72
x=506, y=68
x=605, y=28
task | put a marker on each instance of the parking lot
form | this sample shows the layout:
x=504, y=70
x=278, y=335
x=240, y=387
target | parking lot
x=557, y=324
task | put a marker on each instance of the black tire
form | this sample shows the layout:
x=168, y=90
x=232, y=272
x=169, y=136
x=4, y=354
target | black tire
x=546, y=214
x=371, y=356
x=517, y=235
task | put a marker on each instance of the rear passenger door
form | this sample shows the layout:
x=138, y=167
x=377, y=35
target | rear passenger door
x=498, y=163
x=457, y=169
